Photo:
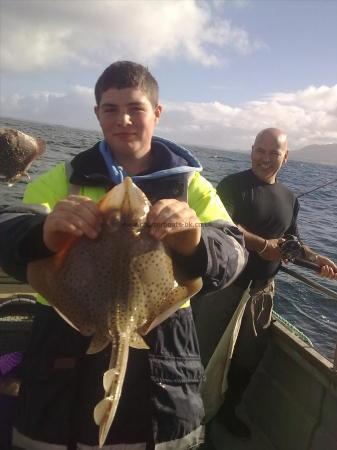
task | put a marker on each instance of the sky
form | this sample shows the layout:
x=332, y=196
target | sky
x=226, y=69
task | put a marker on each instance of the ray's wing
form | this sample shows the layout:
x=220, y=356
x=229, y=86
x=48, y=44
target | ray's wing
x=162, y=295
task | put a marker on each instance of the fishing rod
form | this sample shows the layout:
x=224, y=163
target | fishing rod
x=313, y=284
x=292, y=250
x=317, y=187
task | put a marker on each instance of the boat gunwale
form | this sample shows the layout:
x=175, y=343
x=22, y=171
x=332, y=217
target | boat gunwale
x=287, y=340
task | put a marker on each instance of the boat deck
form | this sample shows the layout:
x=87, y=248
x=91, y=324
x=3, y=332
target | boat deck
x=290, y=404
x=218, y=438
x=16, y=313
x=11, y=288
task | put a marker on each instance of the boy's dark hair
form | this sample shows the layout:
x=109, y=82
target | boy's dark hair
x=127, y=74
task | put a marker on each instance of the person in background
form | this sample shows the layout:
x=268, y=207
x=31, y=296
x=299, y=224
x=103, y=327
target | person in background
x=160, y=405
x=265, y=211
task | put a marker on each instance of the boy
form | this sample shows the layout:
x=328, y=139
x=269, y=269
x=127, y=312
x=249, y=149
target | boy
x=160, y=406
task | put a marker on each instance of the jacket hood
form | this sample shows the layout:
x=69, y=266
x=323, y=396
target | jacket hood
x=97, y=166
x=182, y=153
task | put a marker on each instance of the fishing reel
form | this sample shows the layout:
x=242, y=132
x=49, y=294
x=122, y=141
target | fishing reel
x=292, y=250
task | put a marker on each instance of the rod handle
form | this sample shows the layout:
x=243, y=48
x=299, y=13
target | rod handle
x=307, y=264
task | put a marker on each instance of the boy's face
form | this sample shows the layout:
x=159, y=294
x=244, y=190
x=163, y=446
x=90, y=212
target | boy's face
x=128, y=120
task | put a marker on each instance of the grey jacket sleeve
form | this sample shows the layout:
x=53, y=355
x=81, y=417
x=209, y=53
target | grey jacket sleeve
x=21, y=238
x=220, y=257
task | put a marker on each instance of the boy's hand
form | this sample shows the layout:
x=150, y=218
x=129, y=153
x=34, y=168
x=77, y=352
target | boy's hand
x=76, y=216
x=175, y=221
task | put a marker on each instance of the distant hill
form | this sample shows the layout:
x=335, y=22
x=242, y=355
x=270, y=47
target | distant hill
x=323, y=154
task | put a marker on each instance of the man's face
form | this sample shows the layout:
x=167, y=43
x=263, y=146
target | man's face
x=128, y=120
x=268, y=155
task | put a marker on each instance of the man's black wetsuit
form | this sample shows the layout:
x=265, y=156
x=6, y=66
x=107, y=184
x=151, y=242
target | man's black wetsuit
x=267, y=210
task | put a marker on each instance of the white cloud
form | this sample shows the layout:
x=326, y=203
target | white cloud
x=308, y=116
x=38, y=35
x=313, y=98
x=74, y=108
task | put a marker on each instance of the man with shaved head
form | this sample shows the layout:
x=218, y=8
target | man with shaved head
x=265, y=211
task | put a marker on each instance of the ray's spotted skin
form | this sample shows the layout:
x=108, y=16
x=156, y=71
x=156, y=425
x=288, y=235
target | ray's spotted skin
x=17, y=152
x=115, y=288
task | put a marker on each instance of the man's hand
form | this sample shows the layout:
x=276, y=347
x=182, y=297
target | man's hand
x=328, y=267
x=76, y=216
x=268, y=249
x=273, y=250
x=175, y=221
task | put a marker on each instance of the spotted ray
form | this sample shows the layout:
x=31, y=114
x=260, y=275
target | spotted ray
x=115, y=288
x=17, y=152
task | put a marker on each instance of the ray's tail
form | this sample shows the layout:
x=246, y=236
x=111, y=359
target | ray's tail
x=113, y=378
